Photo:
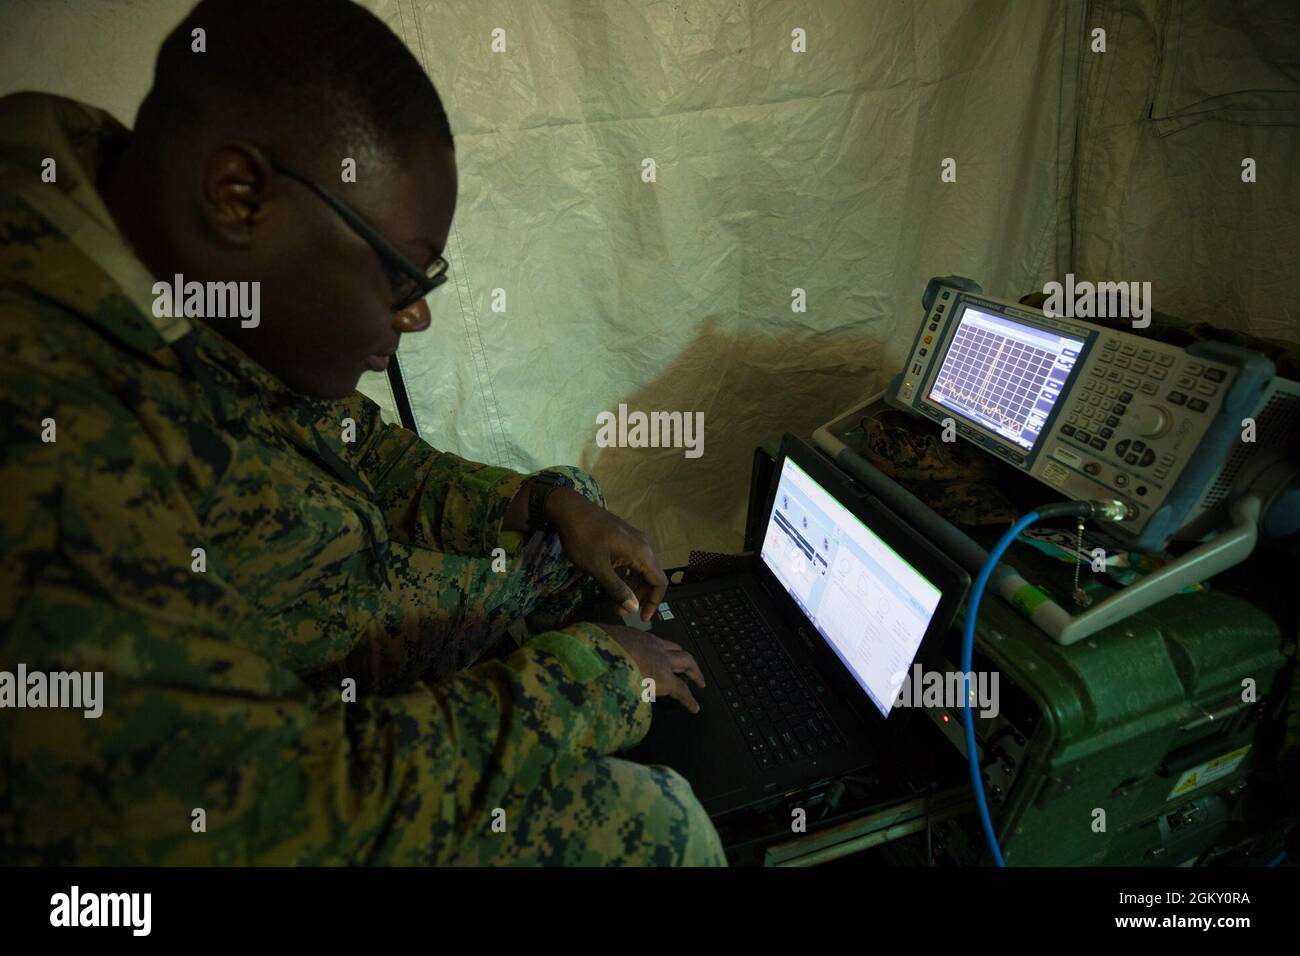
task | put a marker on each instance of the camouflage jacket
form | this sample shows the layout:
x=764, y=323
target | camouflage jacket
x=167, y=439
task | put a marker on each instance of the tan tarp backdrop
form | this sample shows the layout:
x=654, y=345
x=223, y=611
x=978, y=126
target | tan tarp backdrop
x=770, y=274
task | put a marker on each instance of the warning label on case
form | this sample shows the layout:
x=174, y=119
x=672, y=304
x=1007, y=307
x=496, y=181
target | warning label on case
x=1208, y=772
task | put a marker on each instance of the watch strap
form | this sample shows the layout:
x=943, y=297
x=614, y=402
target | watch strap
x=539, y=488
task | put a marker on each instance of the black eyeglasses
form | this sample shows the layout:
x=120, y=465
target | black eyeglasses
x=415, y=283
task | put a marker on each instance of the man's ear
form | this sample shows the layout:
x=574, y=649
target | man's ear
x=236, y=181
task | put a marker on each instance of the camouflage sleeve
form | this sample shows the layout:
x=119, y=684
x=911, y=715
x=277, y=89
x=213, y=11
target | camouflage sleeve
x=431, y=498
x=206, y=749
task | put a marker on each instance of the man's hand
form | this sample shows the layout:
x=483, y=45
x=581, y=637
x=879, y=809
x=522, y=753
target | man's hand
x=613, y=552
x=661, y=661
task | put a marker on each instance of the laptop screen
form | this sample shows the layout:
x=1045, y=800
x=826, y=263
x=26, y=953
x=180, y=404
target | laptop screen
x=870, y=606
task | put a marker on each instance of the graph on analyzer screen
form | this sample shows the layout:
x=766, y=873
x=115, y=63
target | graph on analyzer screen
x=993, y=376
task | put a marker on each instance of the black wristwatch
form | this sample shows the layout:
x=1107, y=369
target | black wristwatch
x=541, y=485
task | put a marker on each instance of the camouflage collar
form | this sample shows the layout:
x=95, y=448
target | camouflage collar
x=56, y=235
x=240, y=378
x=59, y=239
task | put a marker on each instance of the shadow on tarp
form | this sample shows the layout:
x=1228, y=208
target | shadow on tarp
x=751, y=389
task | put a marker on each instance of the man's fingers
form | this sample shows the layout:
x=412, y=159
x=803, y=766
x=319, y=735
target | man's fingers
x=642, y=590
x=641, y=560
x=654, y=576
x=678, y=690
x=618, y=590
x=684, y=663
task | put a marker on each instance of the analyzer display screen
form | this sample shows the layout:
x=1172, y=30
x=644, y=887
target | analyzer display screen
x=1004, y=375
x=869, y=604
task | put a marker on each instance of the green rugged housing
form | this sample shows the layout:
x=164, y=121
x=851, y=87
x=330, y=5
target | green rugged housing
x=1114, y=722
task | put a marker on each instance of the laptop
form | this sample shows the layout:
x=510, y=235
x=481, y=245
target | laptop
x=802, y=650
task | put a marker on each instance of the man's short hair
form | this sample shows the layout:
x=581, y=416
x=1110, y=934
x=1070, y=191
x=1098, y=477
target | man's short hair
x=297, y=74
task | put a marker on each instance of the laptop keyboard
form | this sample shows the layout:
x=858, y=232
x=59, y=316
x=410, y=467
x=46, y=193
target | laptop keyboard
x=773, y=706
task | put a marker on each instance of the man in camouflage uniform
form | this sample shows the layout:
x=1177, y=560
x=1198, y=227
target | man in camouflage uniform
x=282, y=592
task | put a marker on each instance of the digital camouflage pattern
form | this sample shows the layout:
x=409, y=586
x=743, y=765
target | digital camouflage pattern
x=953, y=478
x=325, y=560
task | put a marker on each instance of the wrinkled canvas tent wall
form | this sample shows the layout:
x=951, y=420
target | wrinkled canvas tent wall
x=1187, y=92
x=775, y=171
